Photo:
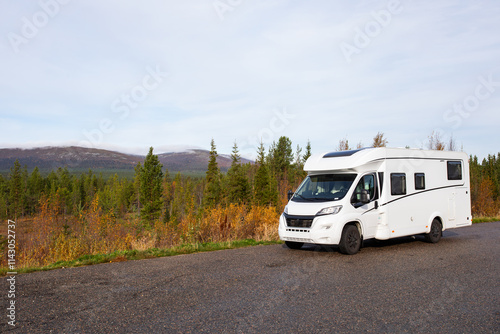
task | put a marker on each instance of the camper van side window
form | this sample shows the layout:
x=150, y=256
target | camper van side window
x=454, y=170
x=398, y=184
x=419, y=181
x=366, y=183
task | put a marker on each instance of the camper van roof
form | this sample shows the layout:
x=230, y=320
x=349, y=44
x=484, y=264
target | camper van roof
x=356, y=160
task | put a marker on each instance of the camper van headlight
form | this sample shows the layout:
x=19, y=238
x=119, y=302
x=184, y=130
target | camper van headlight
x=286, y=210
x=331, y=210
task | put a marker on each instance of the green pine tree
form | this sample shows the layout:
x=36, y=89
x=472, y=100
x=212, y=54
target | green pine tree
x=262, y=183
x=16, y=191
x=308, y=152
x=34, y=190
x=64, y=189
x=297, y=168
x=306, y=156
x=136, y=199
x=281, y=155
x=167, y=196
x=239, y=187
x=212, y=193
x=3, y=198
x=150, y=189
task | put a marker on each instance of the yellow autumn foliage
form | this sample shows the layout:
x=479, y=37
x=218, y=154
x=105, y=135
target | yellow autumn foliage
x=51, y=236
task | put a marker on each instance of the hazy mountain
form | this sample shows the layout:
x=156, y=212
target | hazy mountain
x=80, y=159
x=193, y=160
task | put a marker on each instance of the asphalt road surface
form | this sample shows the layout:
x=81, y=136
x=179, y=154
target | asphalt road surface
x=402, y=285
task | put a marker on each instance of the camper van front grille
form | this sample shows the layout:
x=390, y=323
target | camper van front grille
x=297, y=222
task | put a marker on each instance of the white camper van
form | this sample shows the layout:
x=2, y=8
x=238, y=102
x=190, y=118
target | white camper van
x=380, y=193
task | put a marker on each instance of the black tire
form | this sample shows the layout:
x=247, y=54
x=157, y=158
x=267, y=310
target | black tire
x=293, y=244
x=435, y=233
x=350, y=242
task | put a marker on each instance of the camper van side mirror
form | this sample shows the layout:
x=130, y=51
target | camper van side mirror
x=360, y=198
x=364, y=196
x=290, y=194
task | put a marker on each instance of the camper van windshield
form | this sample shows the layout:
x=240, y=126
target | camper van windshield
x=323, y=188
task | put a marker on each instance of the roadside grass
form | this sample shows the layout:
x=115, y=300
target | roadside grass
x=119, y=256
x=127, y=255
x=485, y=219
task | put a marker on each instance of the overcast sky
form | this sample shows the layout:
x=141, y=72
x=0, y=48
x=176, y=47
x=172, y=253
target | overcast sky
x=128, y=75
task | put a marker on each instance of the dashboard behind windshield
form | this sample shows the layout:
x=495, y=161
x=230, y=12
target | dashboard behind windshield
x=323, y=188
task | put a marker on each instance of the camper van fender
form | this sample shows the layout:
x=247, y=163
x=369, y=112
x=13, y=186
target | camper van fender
x=330, y=235
x=438, y=216
x=356, y=222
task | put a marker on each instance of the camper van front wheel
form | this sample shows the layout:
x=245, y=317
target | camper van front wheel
x=435, y=233
x=350, y=242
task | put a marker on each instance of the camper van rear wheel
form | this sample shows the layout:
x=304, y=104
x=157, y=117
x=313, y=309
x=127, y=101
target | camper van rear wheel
x=293, y=244
x=350, y=242
x=435, y=233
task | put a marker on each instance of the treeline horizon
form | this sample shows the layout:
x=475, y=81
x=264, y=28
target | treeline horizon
x=153, y=192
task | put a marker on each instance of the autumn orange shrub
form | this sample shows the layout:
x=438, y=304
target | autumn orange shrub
x=100, y=232
x=34, y=245
x=485, y=205
x=234, y=222
x=53, y=236
x=266, y=222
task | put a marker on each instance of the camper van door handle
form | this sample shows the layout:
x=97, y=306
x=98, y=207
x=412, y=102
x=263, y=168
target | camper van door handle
x=376, y=204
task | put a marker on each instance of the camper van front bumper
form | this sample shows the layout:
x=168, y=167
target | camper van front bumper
x=321, y=230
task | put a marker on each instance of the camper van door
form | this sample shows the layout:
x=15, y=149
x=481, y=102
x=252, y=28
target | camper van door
x=367, y=211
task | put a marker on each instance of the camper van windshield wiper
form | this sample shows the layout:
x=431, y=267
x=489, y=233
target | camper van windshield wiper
x=304, y=198
x=325, y=199
x=316, y=199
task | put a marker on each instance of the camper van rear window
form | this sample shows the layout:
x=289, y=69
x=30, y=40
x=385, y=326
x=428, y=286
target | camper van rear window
x=454, y=170
x=398, y=184
x=419, y=181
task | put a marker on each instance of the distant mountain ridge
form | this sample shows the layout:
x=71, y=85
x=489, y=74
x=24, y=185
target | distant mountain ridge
x=81, y=158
